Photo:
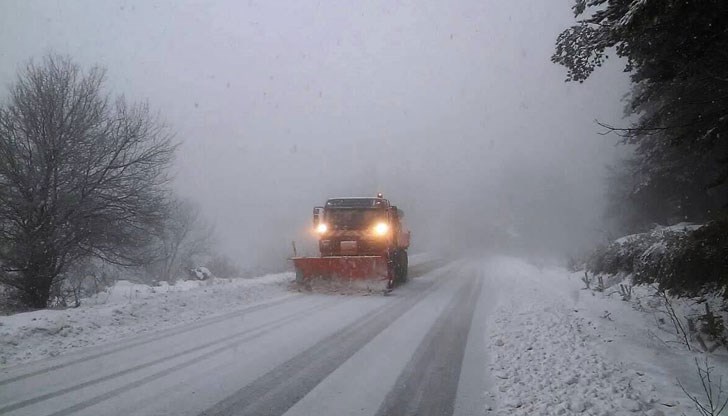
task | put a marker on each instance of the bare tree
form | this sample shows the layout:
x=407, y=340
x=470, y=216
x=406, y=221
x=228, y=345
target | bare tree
x=81, y=174
x=184, y=236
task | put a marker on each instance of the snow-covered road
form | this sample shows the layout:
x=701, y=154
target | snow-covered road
x=302, y=354
x=496, y=336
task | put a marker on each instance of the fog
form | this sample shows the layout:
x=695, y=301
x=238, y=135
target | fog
x=453, y=110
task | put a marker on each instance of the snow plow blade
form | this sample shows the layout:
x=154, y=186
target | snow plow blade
x=343, y=274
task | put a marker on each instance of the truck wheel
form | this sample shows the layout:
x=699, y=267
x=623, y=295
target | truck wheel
x=400, y=266
x=405, y=265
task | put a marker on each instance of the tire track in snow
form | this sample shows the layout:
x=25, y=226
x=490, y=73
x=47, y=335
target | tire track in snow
x=428, y=384
x=142, y=339
x=253, y=333
x=421, y=269
x=146, y=339
x=278, y=390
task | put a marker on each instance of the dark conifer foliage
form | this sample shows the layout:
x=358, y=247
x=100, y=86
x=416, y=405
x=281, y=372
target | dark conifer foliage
x=677, y=55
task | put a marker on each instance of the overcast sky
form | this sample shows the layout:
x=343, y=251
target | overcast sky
x=452, y=109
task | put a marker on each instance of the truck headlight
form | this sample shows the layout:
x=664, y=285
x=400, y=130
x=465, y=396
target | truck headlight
x=381, y=229
x=322, y=228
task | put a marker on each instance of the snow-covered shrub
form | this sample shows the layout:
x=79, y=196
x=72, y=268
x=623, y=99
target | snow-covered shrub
x=686, y=260
x=691, y=263
x=626, y=291
x=83, y=280
x=223, y=266
x=201, y=273
x=621, y=255
x=652, y=263
x=712, y=325
x=587, y=280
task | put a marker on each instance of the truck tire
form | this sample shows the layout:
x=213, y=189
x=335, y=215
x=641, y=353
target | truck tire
x=400, y=266
x=405, y=265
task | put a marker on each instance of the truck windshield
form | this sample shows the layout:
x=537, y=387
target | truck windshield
x=354, y=218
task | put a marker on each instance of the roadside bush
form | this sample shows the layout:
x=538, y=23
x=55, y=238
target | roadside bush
x=685, y=261
x=697, y=262
x=652, y=263
x=83, y=280
x=621, y=255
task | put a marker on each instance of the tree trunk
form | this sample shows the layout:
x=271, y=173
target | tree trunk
x=38, y=280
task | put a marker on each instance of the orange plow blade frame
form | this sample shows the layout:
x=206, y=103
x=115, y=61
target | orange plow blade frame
x=369, y=271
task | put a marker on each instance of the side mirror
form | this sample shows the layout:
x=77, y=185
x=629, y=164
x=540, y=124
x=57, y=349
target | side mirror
x=317, y=215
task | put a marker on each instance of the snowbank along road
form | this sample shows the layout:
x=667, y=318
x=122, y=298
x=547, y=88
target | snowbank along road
x=496, y=336
x=412, y=352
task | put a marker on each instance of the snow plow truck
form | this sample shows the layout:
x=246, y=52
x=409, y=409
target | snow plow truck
x=362, y=243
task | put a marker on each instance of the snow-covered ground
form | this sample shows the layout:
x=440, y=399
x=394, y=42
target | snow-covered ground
x=127, y=309
x=552, y=347
x=557, y=348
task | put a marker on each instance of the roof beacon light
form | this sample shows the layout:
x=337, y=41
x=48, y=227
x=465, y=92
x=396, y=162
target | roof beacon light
x=379, y=195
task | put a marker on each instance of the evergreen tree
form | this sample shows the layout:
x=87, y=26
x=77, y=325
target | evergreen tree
x=677, y=55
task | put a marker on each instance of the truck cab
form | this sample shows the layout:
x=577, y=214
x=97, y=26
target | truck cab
x=359, y=226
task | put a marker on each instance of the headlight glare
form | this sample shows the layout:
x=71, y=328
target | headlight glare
x=381, y=229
